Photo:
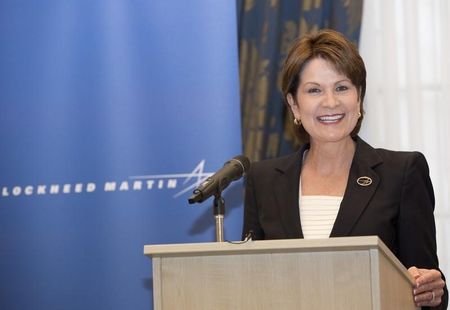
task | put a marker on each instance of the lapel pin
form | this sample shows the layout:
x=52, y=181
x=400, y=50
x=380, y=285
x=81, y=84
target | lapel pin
x=364, y=181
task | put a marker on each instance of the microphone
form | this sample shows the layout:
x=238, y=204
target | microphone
x=232, y=170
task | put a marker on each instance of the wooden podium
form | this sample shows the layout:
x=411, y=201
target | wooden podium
x=336, y=273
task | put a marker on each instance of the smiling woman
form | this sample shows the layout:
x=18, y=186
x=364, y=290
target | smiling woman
x=337, y=185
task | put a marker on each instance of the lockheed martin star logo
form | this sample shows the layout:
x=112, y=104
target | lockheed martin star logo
x=197, y=176
x=133, y=183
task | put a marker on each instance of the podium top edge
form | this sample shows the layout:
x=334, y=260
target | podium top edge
x=362, y=243
x=273, y=246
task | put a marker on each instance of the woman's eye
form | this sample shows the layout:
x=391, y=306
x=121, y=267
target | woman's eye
x=341, y=88
x=313, y=90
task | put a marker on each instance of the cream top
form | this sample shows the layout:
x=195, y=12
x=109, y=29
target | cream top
x=318, y=214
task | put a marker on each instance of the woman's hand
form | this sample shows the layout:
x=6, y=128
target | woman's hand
x=429, y=287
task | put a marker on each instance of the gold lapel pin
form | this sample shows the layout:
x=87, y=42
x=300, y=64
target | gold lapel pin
x=364, y=181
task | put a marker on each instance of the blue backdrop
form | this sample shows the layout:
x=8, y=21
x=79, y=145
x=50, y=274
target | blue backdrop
x=111, y=112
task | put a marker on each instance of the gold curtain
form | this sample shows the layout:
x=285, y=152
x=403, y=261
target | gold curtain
x=266, y=30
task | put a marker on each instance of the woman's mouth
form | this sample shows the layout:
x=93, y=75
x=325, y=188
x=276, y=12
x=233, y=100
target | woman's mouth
x=330, y=119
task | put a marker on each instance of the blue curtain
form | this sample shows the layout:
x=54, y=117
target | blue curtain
x=110, y=117
x=266, y=30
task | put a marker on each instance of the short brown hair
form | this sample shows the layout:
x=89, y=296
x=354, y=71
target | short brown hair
x=333, y=47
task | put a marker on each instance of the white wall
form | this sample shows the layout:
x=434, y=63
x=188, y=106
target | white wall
x=406, y=47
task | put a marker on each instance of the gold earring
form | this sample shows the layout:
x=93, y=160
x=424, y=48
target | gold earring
x=359, y=114
x=297, y=121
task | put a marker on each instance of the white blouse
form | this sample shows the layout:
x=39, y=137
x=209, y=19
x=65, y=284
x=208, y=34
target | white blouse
x=318, y=214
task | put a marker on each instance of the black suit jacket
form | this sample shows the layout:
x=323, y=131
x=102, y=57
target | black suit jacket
x=398, y=206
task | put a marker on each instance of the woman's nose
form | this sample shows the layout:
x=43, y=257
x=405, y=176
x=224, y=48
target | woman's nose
x=330, y=99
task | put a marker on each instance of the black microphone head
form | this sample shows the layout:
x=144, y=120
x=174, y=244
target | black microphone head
x=243, y=161
x=233, y=170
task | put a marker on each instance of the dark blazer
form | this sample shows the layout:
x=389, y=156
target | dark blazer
x=398, y=206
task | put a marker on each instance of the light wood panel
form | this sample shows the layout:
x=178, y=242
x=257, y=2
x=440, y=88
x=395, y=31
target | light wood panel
x=337, y=273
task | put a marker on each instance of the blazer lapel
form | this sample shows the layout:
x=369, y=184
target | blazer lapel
x=286, y=187
x=358, y=192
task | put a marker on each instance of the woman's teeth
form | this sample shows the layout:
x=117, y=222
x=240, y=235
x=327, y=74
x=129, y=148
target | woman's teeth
x=330, y=118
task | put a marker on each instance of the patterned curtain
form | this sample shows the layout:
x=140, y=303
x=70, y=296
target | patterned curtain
x=266, y=30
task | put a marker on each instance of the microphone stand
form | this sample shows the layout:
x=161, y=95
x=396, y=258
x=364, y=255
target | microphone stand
x=219, y=213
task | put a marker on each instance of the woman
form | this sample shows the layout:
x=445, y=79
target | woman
x=336, y=177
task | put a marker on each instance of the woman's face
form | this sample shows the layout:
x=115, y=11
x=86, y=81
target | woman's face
x=326, y=102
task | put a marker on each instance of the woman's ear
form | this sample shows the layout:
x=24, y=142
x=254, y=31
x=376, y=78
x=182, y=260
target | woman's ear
x=290, y=100
x=293, y=105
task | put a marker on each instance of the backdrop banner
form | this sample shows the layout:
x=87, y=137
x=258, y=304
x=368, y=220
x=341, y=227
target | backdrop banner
x=112, y=112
